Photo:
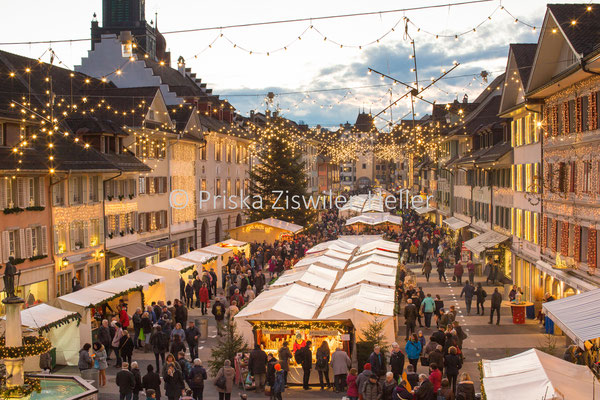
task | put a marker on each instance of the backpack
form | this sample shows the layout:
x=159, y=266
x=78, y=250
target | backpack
x=484, y=294
x=298, y=356
x=218, y=310
x=221, y=383
x=198, y=379
x=188, y=368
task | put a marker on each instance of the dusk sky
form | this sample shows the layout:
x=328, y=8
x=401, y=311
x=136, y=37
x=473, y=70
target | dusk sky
x=310, y=64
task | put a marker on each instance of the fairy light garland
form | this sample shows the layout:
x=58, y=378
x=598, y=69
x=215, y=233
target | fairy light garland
x=32, y=346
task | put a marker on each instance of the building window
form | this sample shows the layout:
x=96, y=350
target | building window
x=203, y=152
x=228, y=193
x=218, y=151
x=237, y=188
x=93, y=274
x=229, y=150
x=63, y=283
x=218, y=187
x=364, y=166
x=586, y=184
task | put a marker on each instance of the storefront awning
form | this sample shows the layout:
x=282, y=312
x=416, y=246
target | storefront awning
x=424, y=210
x=566, y=276
x=155, y=244
x=135, y=251
x=577, y=316
x=485, y=241
x=455, y=223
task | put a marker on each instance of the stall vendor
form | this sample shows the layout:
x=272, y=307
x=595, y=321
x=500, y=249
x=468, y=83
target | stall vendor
x=299, y=342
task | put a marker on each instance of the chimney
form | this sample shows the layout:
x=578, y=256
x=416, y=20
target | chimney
x=181, y=65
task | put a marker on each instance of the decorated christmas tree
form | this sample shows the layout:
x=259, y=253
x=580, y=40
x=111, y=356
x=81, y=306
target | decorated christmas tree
x=278, y=178
x=228, y=346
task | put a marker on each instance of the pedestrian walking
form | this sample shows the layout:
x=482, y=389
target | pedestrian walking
x=218, y=310
x=413, y=351
x=159, y=341
x=196, y=379
x=351, y=382
x=257, y=367
x=465, y=389
x=224, y=381
x=322, y=364
x=174, y=382
x=452, y=365
x=285, y=355
x=340, y=363
x=480, y=295
x=397, y=359
x=126, y=347
x=427, y=269
x=100, y=363
x=388, y=386
x=135, y=370
x=204, y=298
x=372, y=389
x=151, y=381
x=446, y=392
x=116, y=342
x=439, y=306
x=441, y=269
x=410, y=316
x=279, y=385
x=468, y=290
x=458, y=272
x=192, y=335
x=471, y=271
x=126, y=382
x=303, y=357
x=495, y=306
x=428, y=307
x=377, y=361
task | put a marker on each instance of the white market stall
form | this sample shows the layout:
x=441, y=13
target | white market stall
x=59, y=326
x=534, y=374
x=236, y=245
x=375, y=219
x=132, y=288
x=353, y=207
x=222, y=254
x=267, y=230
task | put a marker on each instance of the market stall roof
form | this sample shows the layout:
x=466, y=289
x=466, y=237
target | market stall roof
x=455, y=223
x=312, y=275
x=485, y=241
x=375, y=218
x=373, y=204
x=380, y=244
x=362, y=297
x=373, y=258
x=534, y=374
x=293, y=302
x=368, y=273
x=86, y=297
x=337, y=245
x=332, y=253
x=175, y=264
x=360, y=240
x=143, y=277
x=197, y=256
x=576, y=317
x=135, y=251
x=424, y=210
x=232, y=243
x=324, y=260
x=277, y=223
x=355, y=203
x=215, y=249
x=42, y=315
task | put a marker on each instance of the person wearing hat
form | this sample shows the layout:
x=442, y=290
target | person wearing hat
x=372, y=389
x=363, y=377
x=279, y=385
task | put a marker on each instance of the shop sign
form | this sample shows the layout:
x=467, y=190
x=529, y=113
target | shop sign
x=465, y=254
x=345, y=337
x=323, y=332
x=277, y=332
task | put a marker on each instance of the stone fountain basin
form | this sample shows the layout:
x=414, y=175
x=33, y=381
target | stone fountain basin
x=64, y=387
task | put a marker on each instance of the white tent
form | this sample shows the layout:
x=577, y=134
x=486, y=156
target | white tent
x=576, y=317
x=373, y=259
x=312, y=275
x=353, y=206
x=223, y=254
x=381, y=245
x=368, y=273
x=373, y=204
x=536, y=375
x=375, y=218
x=331, y=253
x=65, y=338
x=358, y=303
x=322, y=260
x=287, y=303
x=337, y=245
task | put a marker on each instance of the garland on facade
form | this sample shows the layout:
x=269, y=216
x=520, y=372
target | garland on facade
x=30, y=385
x=63, y=321
x=32, y=346
x=268, y=325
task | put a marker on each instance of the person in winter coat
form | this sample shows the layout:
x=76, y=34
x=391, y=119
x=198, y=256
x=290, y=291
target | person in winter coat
x=135, y=370
x=229, y=373
x=116, y=342
x=126, y=347
x=137, y=326
x=100, y=357
x=445, y=390
x=85, y=360
x=104, y=336
x=189, y=294
x=425, y=389
x=159, y=341
x=174, y=382
x=192, y=335
x=413, y=350
x=427, y=269
x=196, y=379
x=151, y=381
x=388, y=386
x=469, y=291
x=177, y=345
x=437, y=357
x=452, y=364
x=435, y=376
x=397, y=359
x=123, y=317
x=279, y=385
x=257, y=367
x=471, y=271
x=411, y=376
x=322, y=364
x=480, y=295
x=439, y=306
x=218, y=310
x=377, y=361
x=204, y=298
x=465, y=389
x=351, y=381
x=372, y=389
x=271, y=361
x=285, y=355
x=428, y=307
x=410, y=315
x=495, y=307
x=125, y=381
x=363, y=377
x=304, y=357
x=146, y=324
x=181, y=313
x=458, y=272
x=401, y=393
x=340, y=363
x=441, y=268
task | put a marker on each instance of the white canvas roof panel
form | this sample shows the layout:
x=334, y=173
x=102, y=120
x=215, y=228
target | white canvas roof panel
x=293, y=302
x=233, y=243
x=42, y=315
x=363, y=297
x=324, y=260
x=485, y=241
x=534, y=374
x=143, y=277
x=214, y=249
x=196, y=256
x=174, y=264
x=381, y=244
x=455, y=223
x=367, y=273
x=86, y=296
x=371, y=259
x=424, y=210
x=576, y=317
x=337, y=245
x=312, y=275
x=277, y=223
x=360, y=240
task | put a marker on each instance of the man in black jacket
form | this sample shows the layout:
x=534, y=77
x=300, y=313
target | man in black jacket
x=410, y=315
x=495, y=306
x=152, y=381
x=125, y=381
x=397, y=359
x=425, y=389
x=257, y=367
x=305, y=359
x=104, y=337
x=218, y=310
x=259, y=282
x=213, y=283
x=468, y=290
x=192, y=334
x=181, y=314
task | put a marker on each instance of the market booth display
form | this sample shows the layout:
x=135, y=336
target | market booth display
x=534, y=374
x=353, y=206
x=267, y=230
x=375, y=219
x=59, y=326
x=326, y=298
x=236, y=245
x=135, y=289
x=222, y=256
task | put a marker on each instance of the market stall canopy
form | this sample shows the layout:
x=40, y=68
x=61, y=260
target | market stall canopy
x=455, y=223
x=355, y=203
x=373, y=259
x=43, y=315
x=232, y=243
x=485, y=241
x=375, y=274
x=322, y=260
x=375, y=219
x=360, y=240
x=337, y=245
x=312, y=275
x=85, y=297
x=363, y=297
x=332, y=253
x=293, y=302
x=424, y=210
x=175, y=264
x=373, y=204
x=135, y=251
x=216, y=250
x=534, y=374
x=197, y=256
x=380, y=244
x=277, y=223
x=577, y=316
